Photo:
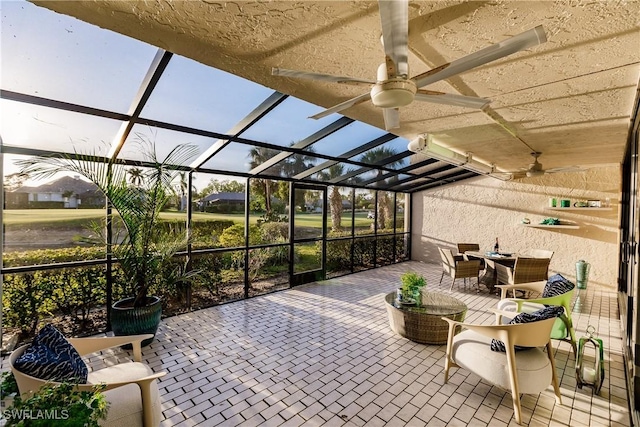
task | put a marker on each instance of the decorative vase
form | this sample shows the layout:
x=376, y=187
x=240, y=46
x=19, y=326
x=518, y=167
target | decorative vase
x=416, y=294
x=582, y=273
x=129, y=320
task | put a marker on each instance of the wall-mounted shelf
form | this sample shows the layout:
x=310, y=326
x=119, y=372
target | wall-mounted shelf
x=565, y=226
x=578, y=209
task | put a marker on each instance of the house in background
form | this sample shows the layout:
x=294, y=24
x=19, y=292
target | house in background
x=66, y=192
x=222, y=203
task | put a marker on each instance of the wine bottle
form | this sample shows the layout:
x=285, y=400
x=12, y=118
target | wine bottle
x=496, y=247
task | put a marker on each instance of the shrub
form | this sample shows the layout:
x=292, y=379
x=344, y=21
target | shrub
x=210, y=277
x=233, y=236
x=274, y=232
x=384, y=249
x=75, y=408
x=76, y=291
x=26, y=300
x=363, y=252
x=52, y=256
x=339, y=255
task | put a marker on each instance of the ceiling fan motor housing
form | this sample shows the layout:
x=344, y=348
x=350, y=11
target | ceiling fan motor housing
x=393, y=93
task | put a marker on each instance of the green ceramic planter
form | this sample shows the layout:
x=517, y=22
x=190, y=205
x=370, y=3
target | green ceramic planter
x=128, y=320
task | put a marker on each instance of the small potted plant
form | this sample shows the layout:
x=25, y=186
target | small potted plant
x=58, y=404
x=412, y=283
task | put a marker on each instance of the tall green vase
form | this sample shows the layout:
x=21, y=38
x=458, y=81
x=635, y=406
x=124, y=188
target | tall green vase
x=129, y=320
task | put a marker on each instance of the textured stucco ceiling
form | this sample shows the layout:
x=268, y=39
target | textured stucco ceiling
x=570, y=98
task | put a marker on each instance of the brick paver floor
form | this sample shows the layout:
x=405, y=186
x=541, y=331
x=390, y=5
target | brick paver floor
x=322, y=354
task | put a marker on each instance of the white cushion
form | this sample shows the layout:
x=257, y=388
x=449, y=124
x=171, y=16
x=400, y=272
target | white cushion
x=119, y=373
x=472, y=352
x=125, y=403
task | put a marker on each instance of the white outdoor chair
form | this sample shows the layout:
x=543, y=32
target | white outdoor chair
x=131, y=387
x=527, y=371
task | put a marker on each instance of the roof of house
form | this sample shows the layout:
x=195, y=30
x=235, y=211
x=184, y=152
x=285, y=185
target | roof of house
x=62, y=185
x=227, y=197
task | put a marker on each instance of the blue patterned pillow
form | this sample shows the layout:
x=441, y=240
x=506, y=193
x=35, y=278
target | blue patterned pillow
x=542, y=314
x=52, y=357
x=557, y=285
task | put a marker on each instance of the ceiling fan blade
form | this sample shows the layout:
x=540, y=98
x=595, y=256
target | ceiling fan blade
x=394, y=16
x=565, y=169
x=391, y=118
x=451, y=99
x=514, y=44
x=283, y=72
x=342, y=106
x=517, y=174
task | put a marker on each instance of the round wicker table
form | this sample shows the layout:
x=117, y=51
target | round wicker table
x=423, y=323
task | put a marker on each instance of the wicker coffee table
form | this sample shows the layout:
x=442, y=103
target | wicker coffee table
x=423, y=323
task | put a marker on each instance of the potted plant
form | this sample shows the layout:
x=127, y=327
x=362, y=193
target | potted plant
x=412, y=284
x=58, y=404
x=142, y=250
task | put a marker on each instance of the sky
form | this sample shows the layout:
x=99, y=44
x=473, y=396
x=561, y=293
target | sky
x=51, y=55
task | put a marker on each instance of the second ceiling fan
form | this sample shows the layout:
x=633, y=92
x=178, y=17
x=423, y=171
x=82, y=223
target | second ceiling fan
x=535, y=169
x=393, y=88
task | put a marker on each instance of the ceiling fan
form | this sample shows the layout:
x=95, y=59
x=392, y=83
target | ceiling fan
x=536, y=169
x=393, y=88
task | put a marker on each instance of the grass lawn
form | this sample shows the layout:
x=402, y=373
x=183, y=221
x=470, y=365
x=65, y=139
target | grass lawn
x=315, y=220
x=80, y=217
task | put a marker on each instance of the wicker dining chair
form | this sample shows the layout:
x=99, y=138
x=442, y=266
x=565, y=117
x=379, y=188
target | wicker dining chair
x=524, y=270
x=540, y=253
x=464, y=247
x=456, y=267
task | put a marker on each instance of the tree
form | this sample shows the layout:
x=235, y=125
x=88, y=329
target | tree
x=182, y=188
x=335, y=198
x=377, y=156
x=136, y=176
x=14, y=180
x=145, y=256
x=297, y=163
x=224, y=186
x=261, y=186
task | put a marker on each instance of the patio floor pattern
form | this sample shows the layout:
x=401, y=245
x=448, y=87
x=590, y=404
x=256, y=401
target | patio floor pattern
x=323, y=354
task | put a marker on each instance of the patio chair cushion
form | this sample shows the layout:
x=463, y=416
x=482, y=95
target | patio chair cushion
x=125, y=406
x=542, y=314
x=472, y=352
x=52, y=357
x=557, y=285
x=560, y=328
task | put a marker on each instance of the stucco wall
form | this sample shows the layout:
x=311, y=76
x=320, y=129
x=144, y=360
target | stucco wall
x=479, y=210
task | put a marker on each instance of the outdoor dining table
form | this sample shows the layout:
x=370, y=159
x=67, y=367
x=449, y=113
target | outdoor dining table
x=490, y=277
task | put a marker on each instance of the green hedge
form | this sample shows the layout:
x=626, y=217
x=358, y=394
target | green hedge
x=30, y=297
x=52, y=256
x=73, y=293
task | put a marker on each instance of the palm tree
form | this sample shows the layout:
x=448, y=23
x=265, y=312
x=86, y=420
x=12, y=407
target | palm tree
x=144, y=255
x=335, y=198
x=183, y=187
x=135, y=176
x=258, y=156
x=373, y=157
x=297, y=163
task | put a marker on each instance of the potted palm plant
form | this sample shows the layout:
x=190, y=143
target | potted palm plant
x=142, y=251
x=412, y=284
